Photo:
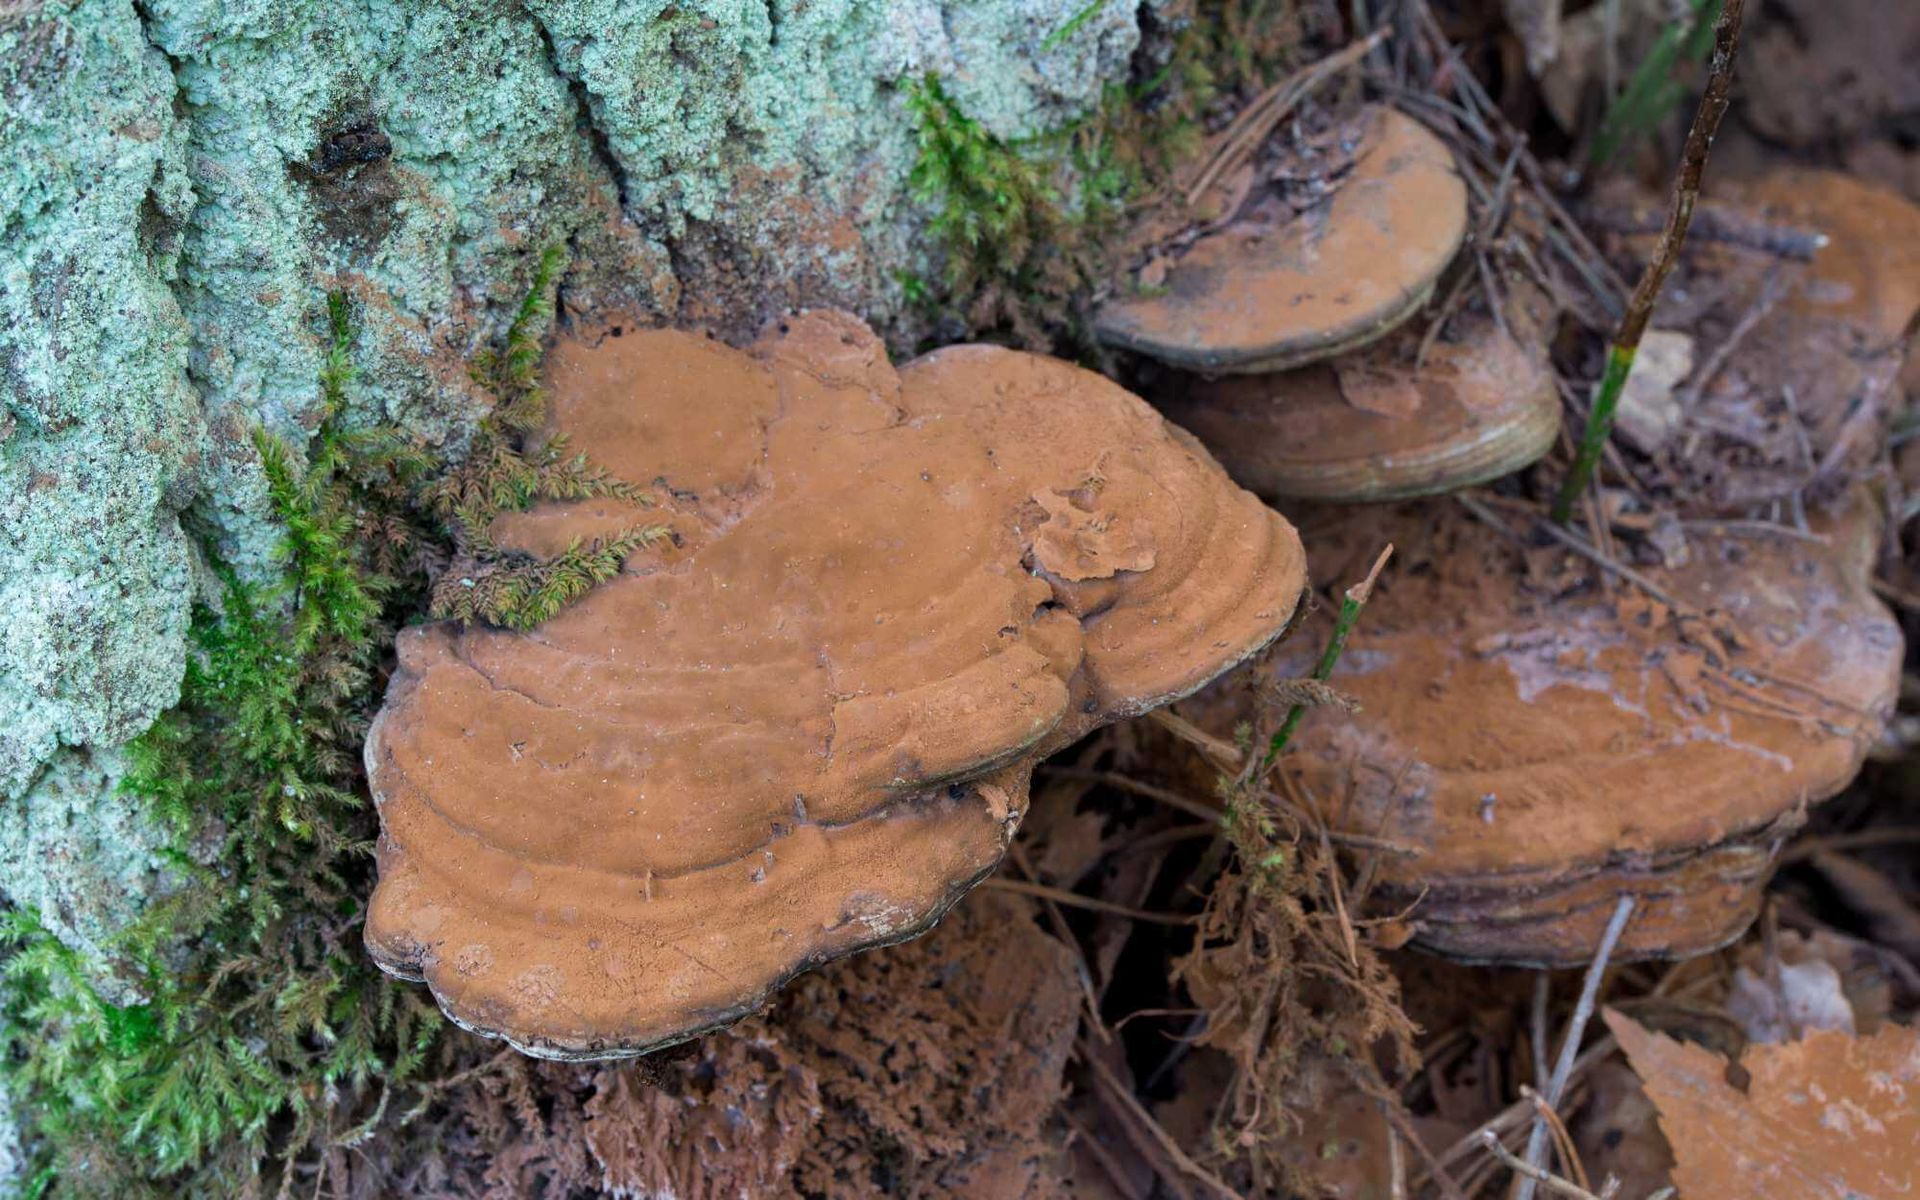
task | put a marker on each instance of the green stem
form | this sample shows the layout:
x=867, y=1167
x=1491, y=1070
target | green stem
x=1351, y=605
x=1593, y=441
x=1686, y=192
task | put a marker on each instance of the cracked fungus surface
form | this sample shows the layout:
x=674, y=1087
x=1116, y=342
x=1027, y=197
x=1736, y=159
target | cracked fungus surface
x=807, y=728
x=1273, y=288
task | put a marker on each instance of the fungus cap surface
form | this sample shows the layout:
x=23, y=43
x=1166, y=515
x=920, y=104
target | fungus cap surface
x=807, y=728
x=1549, y=752
x=1372, y=425
x=1868, y=273
x=1274, y=289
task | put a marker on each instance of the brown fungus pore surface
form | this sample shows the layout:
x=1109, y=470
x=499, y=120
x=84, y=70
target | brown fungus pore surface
x=1273, y=288
x=1381, y=424
x=1547, y=747
x=807, y=727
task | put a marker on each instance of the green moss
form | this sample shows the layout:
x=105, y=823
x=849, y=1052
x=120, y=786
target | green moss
x=261, y=1033
x=1659, y=82
x=263, y=1027
x=1032, y=227
x=991, y=206
x=505, y=474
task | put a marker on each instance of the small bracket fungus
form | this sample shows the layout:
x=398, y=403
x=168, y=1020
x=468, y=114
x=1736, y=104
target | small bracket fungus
x=1548, y=751
x=1273, y=289
x=805, y=728
x=1379, y=424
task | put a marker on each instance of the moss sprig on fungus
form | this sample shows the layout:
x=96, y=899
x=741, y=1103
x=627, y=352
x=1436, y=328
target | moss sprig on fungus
x=507, y=472
x=265, y=1040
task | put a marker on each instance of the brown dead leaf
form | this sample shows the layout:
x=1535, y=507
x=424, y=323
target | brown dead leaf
x=1830, y=1117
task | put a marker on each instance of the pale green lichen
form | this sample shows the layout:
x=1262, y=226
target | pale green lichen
x=86, y=861
x=105, y=434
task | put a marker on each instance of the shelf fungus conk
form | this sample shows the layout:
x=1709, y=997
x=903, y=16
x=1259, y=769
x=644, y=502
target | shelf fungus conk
x=1381, y=424
x=807, y=727
x=1546, y=752
x=1272, y=288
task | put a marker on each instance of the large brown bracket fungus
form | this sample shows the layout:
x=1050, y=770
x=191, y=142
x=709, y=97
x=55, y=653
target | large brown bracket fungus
x=1547, y=752
x=807, y=728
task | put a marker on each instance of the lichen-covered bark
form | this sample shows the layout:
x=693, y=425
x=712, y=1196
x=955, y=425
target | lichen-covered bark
x=181, y=182
x=103, y=437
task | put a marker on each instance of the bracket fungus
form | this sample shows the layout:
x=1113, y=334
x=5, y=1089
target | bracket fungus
x=1546, y=741
x=1868, y=273
x=1547, y=750
x=1382, y=424
x=807, y=727
x=1272, y=288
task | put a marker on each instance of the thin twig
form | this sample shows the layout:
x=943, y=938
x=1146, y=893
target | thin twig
x=1562, y=1140
x=1124, y=1095
x=1268, y=109
x=1397, y=1115
x=1076, y=900
x=1808, y=847
x=1515, y=1114
x=1771, y=289
x=1722, y=224
x=1582, y=1013
x=1186, y=804
x=1396, y=1165
x=1579, y=546
x=1532, y=1176
x=1542, y=991
x=1221, y=753
x=1064, y=934
x=1735, y=527
x=1686, y=192
x=1128, y=783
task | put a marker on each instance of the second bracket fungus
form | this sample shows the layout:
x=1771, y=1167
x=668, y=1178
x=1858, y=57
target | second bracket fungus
x=807, y=727
x=1547, y=751
x=1272, y=288
x=1380, y=424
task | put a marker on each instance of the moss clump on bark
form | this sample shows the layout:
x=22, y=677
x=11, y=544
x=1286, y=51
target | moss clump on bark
x=252, y=1032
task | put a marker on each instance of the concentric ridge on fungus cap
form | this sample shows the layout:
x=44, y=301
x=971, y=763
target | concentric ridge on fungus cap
x=1379, y=424
x=808, y=728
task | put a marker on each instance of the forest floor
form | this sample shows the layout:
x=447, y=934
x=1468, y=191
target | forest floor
x=1208, y=968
